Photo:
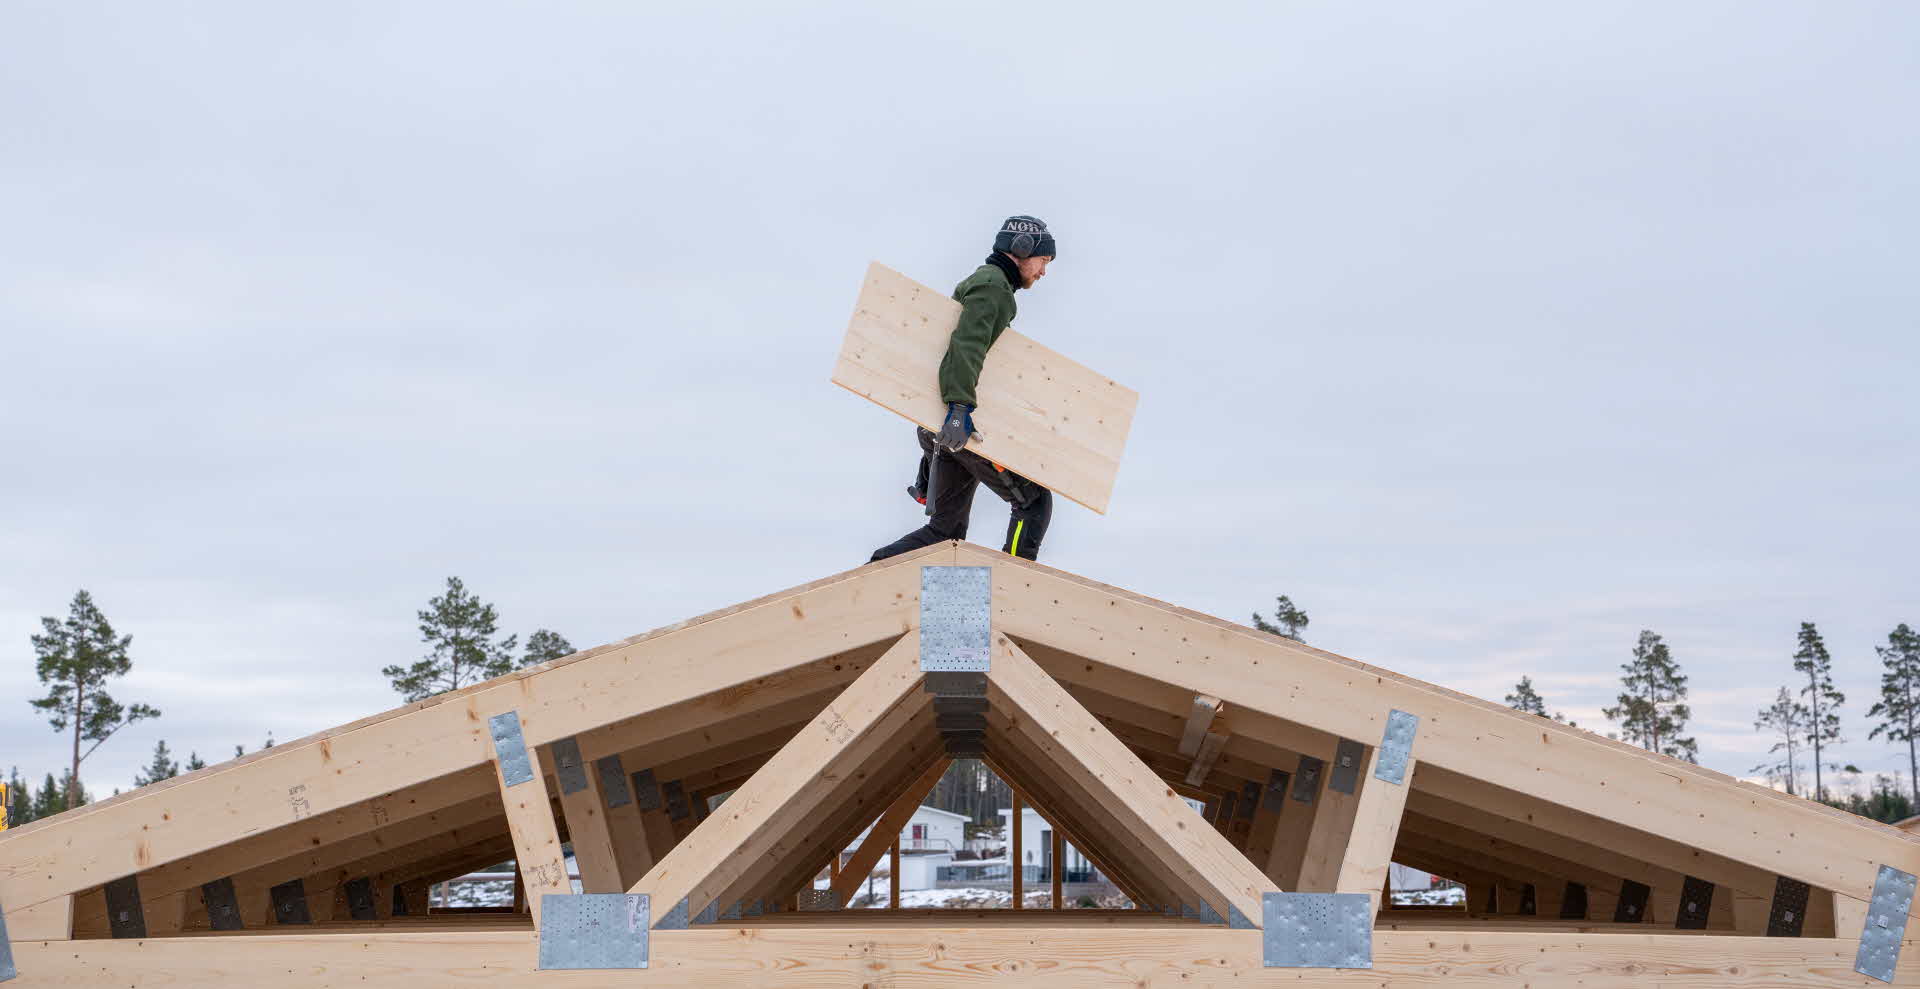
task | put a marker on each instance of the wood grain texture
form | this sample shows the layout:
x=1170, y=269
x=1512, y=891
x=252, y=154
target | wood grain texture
x=1557, y=765
x=1041, y=415
x=904, y=957
x=723, y=656
x=793, y=785
x=1073, y=740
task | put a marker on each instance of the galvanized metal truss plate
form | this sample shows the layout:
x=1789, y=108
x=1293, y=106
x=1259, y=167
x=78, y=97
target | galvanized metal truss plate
x=952, y=683
x=593, y=930
x=7, y=969
x=1632, y=907
x=1249, y=800
x=646, y=791
x=1316, y=930
x=1573, y=902
x=1306, y=782
x=125, y=917
x=1886, y=924
x=1396, y=747
x=676, y=797
x=567, y=765
x=1348, y=757
x=290, y=903
x=1788, y=915
x=360, y=898
x=1236, y=920
x=709, y=915
x=675, y=919
x=956, y=619
x=1274, y=797
x=223, y=906
x=613, y=781
x=1696, y=899
x=819, y=899
x=510, y=749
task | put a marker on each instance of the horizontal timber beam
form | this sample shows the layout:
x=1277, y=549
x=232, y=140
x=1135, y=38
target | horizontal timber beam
x=1043, y=955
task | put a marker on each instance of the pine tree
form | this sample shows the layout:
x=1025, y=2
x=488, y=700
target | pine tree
x=459, y=628
x=75, y=659
x=1525, y=700
x=1528, y=701
x=1287, y=620
x=161, y=768
x=1823, y=701
x=1787, y=719
x=1651, y=713
x=545, y=645
x=1899, y=706
x=194, y=762
x=51, y=799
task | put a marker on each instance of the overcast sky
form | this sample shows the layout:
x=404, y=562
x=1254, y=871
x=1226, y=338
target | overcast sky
x=1490, y=333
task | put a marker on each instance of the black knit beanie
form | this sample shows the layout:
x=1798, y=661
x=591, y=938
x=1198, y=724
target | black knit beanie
x=1025, y=237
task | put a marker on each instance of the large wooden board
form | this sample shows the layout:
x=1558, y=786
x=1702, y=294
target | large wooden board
x=969, y=952
x=1041, y=415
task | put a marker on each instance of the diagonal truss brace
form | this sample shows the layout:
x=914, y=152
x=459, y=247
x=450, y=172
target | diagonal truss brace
x=791, y=786
x=885, y=831
x=1075, y=741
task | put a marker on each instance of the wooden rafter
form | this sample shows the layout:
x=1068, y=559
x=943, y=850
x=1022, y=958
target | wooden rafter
x=730, y=650
x=1747, y=884
x=850, y=802
x=1572, y=768
x=791, y=785
x=1074, y=740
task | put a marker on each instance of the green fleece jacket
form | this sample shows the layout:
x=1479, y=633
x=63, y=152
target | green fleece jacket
x=986, y=307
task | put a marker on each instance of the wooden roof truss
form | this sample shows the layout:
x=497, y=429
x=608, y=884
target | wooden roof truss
x=1587, y=862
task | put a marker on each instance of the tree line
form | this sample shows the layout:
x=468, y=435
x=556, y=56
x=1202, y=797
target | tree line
x=77, y=658
x=1803, y=720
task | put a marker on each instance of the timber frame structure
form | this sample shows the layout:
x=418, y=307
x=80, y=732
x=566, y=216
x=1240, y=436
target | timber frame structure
x=831, y=706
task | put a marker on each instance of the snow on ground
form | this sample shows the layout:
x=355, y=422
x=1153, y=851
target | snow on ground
x=1453, y=896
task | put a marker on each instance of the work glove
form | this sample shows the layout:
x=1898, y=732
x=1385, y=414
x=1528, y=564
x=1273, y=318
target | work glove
x=957, y=428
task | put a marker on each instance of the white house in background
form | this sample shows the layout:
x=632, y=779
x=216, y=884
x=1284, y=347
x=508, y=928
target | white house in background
x=929, y=830
x=1036, y=841
x=927, y=842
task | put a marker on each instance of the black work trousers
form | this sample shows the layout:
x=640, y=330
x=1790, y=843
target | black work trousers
x=954, y=477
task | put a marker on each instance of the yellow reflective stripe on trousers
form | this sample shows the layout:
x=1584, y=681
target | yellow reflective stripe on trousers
x=1018, y=527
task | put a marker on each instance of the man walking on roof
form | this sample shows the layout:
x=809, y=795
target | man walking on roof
x=949, y=473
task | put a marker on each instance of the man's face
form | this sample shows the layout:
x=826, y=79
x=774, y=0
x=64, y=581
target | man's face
x=1032, y=269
